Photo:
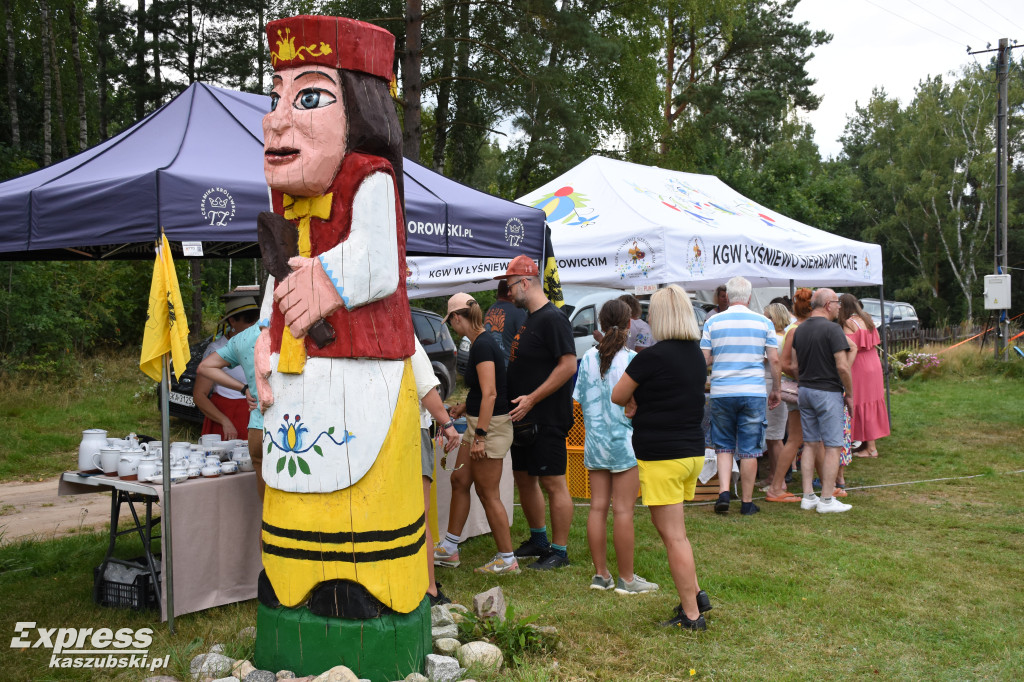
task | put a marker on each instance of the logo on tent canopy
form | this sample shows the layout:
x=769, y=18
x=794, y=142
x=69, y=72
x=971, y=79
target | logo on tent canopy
x=217, y=206
x=696, y=256
x=634, y=258
x=514, y=232
x=566, y=205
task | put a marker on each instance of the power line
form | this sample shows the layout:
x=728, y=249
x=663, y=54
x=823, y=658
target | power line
x=914, y=23
x=997, y=31
x=995, y=11
x=925, y=9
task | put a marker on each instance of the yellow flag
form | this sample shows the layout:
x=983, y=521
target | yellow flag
x=166, y=324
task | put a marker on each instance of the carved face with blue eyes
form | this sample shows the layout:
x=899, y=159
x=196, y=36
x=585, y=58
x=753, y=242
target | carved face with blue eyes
x=306, y=131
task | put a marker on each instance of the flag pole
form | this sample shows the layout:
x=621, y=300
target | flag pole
x=165, y=432
x=165, y=467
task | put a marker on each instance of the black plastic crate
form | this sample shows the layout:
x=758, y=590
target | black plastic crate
x=138, y=595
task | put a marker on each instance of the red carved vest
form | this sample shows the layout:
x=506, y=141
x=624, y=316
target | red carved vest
x=382, y=329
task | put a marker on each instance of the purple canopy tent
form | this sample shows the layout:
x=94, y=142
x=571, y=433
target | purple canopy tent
x=195, y=168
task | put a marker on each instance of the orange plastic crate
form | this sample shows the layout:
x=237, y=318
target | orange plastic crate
x=576, y=474
x=578, y=431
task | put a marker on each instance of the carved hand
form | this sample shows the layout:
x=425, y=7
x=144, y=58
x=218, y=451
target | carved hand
x=306, y=295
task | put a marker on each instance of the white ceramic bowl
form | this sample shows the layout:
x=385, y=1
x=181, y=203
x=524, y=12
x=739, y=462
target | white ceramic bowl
x=228, y=467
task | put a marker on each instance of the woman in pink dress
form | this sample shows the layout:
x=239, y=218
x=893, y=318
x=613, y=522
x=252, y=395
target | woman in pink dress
x=870, y=418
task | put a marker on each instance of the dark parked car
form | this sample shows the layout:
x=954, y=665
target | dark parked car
x=429, y=329
x=899, y=316
x=437, y=341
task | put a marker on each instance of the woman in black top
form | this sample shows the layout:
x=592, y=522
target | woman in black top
x=663, y=390
x=486, y=441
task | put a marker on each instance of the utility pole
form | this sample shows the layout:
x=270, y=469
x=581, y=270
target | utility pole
x=1002, y=71
x=1001, y=344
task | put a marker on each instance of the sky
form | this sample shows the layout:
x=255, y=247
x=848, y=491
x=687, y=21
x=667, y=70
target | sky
x=895, y=44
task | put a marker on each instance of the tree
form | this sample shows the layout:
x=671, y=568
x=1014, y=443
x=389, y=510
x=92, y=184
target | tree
x=929, y=176
x=12, y=98
x=733, y=71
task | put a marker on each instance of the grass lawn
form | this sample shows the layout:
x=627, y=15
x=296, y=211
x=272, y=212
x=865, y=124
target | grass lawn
x=918, y=581
x=44, y=420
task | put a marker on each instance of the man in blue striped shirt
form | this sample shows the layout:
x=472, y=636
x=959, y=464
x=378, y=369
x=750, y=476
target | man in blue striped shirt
x=736, y=343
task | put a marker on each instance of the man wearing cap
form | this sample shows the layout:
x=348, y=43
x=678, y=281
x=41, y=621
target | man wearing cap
x=542, y=359
x=226, y=411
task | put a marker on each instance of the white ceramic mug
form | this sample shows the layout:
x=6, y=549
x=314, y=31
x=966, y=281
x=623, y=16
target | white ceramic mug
x=210, y=438
x=107, y=459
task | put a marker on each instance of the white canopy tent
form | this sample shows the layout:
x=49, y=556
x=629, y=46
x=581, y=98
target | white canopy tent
x=620, y=224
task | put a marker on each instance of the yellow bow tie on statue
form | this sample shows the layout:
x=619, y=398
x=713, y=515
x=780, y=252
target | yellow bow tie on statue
x=293, y=352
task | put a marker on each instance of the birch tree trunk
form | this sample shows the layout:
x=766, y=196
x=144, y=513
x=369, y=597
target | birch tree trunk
x=44, y=10
x=444, y=88
x=154, y=20
x=140, y=61
x=76, y=58
x=58, y=88
x=12, y=90
x=101, y=63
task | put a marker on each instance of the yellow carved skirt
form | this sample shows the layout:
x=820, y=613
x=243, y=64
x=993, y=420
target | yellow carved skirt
x=371, y=533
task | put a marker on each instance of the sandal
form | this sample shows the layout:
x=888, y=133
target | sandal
x=785, y=497
x=873, y=454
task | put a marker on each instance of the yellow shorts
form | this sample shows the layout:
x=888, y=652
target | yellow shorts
x=669, y=481
x=499, y=435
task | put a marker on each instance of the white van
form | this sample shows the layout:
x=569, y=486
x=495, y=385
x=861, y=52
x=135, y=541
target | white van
x=582, y=304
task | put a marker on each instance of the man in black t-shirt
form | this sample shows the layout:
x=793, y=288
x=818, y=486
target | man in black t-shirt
x=823, y=371
x=542, y=359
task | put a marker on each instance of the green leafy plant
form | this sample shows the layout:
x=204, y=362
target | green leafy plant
x=515, y=636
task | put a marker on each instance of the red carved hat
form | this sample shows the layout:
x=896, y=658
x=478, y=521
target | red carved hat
x=331, y=41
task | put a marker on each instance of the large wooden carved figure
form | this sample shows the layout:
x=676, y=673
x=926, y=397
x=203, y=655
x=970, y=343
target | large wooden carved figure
x=343, y=529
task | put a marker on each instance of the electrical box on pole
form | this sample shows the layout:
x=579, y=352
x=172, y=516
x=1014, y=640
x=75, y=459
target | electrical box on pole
x=997, y=292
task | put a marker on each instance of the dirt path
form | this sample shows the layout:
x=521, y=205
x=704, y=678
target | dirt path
x=34, y=510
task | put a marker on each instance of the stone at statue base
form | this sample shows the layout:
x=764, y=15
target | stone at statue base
x=379, y=649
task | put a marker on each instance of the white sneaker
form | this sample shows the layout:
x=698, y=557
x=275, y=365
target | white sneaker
x=635, y=586
x=809, y=503
x=833, y=507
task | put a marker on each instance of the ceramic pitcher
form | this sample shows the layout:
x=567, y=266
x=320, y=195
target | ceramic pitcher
x=93, y=440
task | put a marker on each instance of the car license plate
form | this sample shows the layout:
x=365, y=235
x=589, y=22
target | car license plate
x=181, y=399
